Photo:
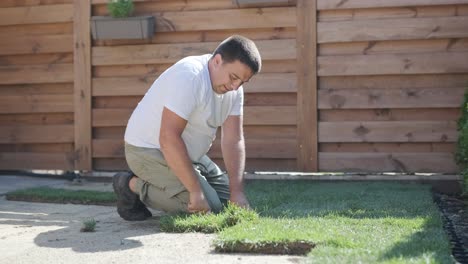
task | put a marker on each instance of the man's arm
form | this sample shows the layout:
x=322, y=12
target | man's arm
x=233, y=149
x=176, y=155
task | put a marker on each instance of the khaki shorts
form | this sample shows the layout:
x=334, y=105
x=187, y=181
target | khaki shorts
x=159, y=187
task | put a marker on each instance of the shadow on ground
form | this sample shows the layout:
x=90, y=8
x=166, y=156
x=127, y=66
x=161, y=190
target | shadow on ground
x=406, y=247
x=63, y=223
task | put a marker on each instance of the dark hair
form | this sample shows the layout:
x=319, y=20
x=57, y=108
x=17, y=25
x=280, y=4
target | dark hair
x=242, y=49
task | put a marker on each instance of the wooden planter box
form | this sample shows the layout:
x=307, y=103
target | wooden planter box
x=138, y=27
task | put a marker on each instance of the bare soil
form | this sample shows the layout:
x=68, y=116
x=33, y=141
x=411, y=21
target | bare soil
x=284, y=248
x=454, y=209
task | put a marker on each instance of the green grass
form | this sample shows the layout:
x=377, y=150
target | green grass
x=52, y=195
x=347, y=222
x=206, y=223
x=89, y=225
x=358, y=222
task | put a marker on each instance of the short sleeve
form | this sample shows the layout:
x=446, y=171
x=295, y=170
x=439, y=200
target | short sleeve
x=180, y=96
x=237, y=107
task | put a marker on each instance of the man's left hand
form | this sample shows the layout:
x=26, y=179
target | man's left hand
x=239, y=199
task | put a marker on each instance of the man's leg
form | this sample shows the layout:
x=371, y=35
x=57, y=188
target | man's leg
x=158, y=187
x=216, y=178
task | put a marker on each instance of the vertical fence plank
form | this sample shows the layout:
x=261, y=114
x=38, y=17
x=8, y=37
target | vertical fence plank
x=82, y=84
x=307, y=158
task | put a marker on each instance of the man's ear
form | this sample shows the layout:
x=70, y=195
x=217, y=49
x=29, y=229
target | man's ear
x=218, y=59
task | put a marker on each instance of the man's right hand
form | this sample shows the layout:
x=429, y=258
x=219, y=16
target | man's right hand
x=198, y=203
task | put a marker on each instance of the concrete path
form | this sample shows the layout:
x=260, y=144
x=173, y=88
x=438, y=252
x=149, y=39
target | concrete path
x=50, y=233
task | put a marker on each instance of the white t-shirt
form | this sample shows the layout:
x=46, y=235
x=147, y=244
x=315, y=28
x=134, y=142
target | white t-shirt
x=185, y=89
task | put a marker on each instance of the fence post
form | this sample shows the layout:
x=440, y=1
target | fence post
x=307, y=123
x=82, y=83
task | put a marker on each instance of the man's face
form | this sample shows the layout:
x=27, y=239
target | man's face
x=227, y=77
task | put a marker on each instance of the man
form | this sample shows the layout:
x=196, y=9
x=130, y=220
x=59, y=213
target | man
x=173, y=127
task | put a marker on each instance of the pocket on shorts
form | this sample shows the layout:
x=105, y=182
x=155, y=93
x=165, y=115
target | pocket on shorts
x=174, y=190
x=161, y=177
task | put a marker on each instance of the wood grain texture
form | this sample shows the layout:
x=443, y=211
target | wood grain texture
x=36, y=134
x=394, y=46
x=395, y=81
x=340, y=4
x=82, y=83
x=145, y=6
x=38, y=59
x=387, y=114
x=38, y=148
x=390, y=98
x=388, y=162
x=270, y=99
x=307, y=133
x=232, y=19
x=46, y=103
x=16, y=3
x=392, y=29
x=45, y=161
x=18, y=31
x=374, y=13
x=270, y=165
x=37, y=119
x=422, y=147
x=388, y=131
x=427, y=63
x=121, y=86
x=110, y=164
x=25, y=74
x=109, y=132
x=36, y=44
x=37, y=89
x=270, y=115
x=36, y=14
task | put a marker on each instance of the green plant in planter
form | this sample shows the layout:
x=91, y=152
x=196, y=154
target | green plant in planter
x=120, y=8
x=121, y=23
x=461, y=155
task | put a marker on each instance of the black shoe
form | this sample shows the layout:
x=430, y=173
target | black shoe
x=129, y=206
x=141, y=206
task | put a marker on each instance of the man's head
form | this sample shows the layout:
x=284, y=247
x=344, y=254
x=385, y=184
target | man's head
x=234, y=62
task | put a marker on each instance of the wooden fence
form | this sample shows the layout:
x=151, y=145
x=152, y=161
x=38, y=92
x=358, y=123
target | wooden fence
x=391, y=77
x=353, y=85
x=36, y=85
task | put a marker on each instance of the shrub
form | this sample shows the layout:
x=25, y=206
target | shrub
x=464, y=116
x=120, y=8
x=461, y=155
x=462, y=147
